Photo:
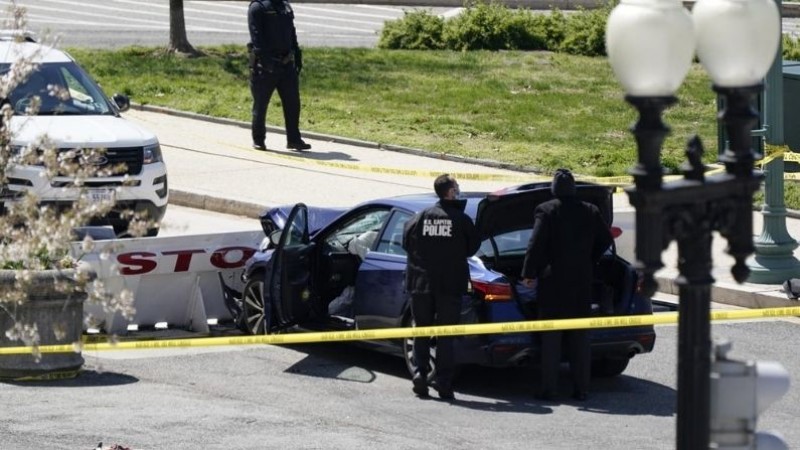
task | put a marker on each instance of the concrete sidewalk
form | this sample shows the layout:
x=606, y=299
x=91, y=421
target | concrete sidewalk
x=211, y=166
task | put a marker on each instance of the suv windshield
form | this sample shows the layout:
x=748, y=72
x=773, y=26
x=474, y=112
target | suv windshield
x=62, y=88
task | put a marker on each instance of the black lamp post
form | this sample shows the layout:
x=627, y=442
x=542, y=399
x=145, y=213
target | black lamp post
x=650, y=45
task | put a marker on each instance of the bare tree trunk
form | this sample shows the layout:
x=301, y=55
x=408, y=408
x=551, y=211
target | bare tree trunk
x=178, y=42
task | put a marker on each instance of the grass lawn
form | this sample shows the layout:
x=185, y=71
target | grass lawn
x=540, y=110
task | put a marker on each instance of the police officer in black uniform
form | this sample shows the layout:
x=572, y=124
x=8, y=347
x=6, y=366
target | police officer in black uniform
x=438, y=242
x=275, y=63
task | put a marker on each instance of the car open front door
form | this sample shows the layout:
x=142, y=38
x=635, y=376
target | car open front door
x=290, y=274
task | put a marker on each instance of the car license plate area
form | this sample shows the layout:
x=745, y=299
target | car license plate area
x=96, y=196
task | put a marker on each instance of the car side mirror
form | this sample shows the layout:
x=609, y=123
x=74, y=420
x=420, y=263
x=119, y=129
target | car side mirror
x=122, y=102
x=275, y=237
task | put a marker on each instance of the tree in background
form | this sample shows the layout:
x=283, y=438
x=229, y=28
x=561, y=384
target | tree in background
x=178, y=42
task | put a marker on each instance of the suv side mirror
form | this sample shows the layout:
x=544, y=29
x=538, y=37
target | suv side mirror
x=122, y=102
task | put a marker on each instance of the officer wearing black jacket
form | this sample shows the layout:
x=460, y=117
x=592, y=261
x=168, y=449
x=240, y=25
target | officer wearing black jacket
x=275, y=63
x=569, y=237
x=438, y=242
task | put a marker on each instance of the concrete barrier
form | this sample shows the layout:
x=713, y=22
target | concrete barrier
x=175, y=280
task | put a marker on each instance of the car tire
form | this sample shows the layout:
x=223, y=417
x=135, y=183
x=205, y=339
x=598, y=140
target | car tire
x=608, y=367
x=408, y=354
x=254, y=319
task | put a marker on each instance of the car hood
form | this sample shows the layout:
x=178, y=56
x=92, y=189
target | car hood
x=512, y=209
x=84, y=131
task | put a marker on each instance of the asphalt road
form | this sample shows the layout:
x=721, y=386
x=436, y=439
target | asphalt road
x=119, y=23
x=336, y=396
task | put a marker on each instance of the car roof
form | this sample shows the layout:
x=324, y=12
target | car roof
x=417, y=202
x=12, y=49
x=502, y=211
x=510, y=208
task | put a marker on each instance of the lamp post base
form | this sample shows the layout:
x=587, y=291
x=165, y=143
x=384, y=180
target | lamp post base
x=772, y=269
x=774, y=260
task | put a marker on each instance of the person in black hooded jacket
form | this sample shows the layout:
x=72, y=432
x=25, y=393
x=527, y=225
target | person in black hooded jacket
x=438, y=242
x=569, y=237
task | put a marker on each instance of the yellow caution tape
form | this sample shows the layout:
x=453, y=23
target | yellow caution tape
x=791, y=157
x=398, y=333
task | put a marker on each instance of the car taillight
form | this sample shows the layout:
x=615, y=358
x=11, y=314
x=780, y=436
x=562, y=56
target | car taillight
x=493, y=292
x=616, y=232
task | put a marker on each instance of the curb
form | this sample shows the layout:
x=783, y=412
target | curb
x=744, y=295
x=215, y=204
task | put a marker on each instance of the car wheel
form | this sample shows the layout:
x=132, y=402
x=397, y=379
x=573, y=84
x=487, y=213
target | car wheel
x=408, y=354
x=255, y=319
x=605, y=368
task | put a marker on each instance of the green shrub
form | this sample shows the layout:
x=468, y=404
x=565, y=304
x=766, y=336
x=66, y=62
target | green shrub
x=553, y=27
x=482, y=26
x=585, y=33
x=417, y=30
x=527, y=31
x=791, y=48
x=493, y=26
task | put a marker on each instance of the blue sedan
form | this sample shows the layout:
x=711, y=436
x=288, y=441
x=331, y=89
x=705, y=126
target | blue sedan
x=336, y=269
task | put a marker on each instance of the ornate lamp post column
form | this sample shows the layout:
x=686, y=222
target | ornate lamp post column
x=650, y=46
x=774, y=261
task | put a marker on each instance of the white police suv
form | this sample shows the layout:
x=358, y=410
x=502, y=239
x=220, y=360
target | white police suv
x=74, y=114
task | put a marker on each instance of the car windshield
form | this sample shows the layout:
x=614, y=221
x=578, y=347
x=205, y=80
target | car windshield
x=62, y=89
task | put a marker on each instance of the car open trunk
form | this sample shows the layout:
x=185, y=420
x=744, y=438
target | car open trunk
x=510, y=213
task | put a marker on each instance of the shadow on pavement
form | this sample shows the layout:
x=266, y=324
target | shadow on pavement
x=501, y=390
x=318, y=155
x=86, y=378
x=344, y=362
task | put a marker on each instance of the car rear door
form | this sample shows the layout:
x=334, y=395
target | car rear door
x=288, y=284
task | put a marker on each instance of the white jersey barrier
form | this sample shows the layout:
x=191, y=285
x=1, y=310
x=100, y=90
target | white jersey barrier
x=175, y=280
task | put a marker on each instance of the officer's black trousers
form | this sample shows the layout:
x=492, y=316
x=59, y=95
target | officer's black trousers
x=435, y=309
x=284, y=79
x=579, y=355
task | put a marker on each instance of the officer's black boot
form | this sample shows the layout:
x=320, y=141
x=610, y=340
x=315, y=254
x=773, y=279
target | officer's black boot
x=298, y=145
x=420, y=385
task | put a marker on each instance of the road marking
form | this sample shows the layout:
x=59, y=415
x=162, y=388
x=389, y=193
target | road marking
x=337, y=11
x=381, y=8
x=59, y=20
